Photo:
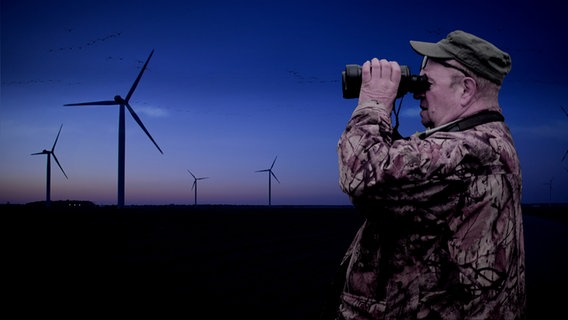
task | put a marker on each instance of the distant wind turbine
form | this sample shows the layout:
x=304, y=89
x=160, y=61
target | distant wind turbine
x=50, y=153
x=123, y=102
x=565, y=153
x=194, y=186
x=270, y=175
x=549, y=184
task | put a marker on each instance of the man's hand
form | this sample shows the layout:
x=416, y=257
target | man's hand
x=380, y=80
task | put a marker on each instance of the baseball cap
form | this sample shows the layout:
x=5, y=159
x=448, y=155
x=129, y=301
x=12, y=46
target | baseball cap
x=478, y=55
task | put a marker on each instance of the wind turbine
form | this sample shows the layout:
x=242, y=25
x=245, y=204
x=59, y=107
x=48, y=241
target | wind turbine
x=194, y=186
x=50, y=153
x=549, y=184
x=270, y=175
x=565, y=153
x=123, y=102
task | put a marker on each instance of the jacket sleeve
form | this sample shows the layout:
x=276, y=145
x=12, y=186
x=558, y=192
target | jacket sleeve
x=372, y=164
x=363, y=145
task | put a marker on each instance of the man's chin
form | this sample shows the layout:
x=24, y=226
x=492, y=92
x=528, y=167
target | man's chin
x=427, y=123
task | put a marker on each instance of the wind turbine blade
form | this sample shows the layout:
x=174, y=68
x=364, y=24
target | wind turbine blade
x=273, y=162
x=262, y=170
x=191, y=173
x=193, y=185
x=60, y=167
x=56, y=138
x=43, y=152
x=94, y=103
x=272, y=173
x=135, y=116
x=203, y=178
x=138, y=78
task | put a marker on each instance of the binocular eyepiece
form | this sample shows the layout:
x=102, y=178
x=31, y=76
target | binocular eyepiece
x=351, y=81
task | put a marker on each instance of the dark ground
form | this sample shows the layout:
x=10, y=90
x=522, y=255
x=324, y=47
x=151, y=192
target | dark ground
x=212, y=262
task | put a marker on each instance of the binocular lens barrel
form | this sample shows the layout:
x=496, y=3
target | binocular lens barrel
x=351, y=82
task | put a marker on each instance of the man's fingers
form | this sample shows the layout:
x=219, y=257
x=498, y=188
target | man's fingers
x=375, y=67
x=366, y=71
x=395, y=70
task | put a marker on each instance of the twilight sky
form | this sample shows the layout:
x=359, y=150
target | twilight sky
x=233, y=84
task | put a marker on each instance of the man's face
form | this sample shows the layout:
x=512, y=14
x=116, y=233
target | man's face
x=440, y=104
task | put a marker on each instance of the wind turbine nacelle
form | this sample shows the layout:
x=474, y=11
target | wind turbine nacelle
x=119, y=99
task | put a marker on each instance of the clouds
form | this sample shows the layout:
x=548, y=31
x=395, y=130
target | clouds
x=151, y=111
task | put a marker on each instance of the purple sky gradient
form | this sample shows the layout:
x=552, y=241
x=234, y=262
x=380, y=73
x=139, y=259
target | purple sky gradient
x=233, y=84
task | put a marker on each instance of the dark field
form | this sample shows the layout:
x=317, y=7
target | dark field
x=212, y=262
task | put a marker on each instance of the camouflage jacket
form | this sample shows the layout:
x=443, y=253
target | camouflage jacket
x=443, y=233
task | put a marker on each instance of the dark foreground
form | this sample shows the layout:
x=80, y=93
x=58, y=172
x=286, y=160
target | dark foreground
x=212, y=262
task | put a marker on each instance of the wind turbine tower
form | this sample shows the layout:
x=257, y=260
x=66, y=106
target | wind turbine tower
x=565, y=153
x=123, y=103
x=270, y=175
x=549, y=184
x=49, y=154
x=194, y=186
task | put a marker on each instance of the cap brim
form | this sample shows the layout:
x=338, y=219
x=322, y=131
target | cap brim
x=429, y=49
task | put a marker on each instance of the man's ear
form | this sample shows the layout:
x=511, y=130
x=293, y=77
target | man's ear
x=469, y=91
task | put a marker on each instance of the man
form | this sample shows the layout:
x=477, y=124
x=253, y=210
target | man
x=443, y=233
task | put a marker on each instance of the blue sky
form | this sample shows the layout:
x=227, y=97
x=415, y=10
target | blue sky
x=233, y=84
